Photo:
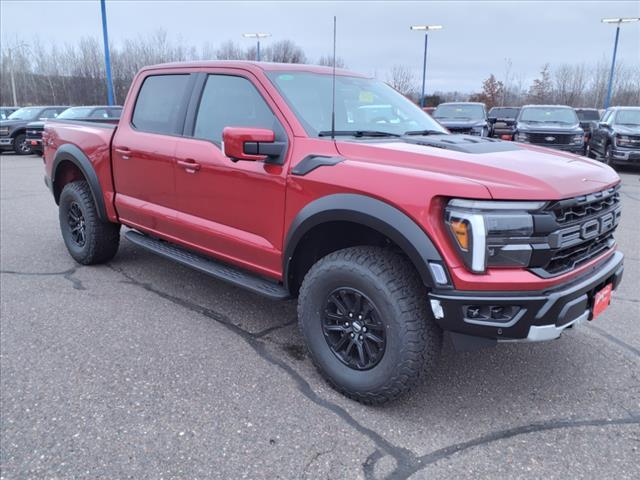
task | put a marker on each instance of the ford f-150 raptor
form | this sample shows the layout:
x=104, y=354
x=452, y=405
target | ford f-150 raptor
x=388, y=230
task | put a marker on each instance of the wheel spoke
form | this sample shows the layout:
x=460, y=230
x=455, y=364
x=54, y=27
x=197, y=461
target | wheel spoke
x=340, y=343
x=338, y=302
x=335, y=328
x=361, y=354
x=334, y=316
x=373, y=337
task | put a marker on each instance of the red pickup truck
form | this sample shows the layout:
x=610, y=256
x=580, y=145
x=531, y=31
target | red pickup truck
x=388, y=229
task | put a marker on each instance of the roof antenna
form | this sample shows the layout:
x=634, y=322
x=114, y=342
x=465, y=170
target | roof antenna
x=333, y=87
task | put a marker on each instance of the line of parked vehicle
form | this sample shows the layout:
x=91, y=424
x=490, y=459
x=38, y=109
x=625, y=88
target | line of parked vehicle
x=21, y=128
x=612, y=136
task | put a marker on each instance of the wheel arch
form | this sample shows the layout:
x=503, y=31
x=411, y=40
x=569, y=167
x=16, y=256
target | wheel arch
x=369, y=216
x=69, y=157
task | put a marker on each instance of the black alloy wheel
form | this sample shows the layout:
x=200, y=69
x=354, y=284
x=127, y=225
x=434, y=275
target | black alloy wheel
x=77, y=225
x=353, y=329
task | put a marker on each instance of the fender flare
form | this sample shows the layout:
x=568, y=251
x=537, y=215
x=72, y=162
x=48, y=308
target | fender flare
x=73, y=154
x=372, y=213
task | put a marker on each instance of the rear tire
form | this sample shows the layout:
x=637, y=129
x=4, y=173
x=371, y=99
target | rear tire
x=88, y=239
x=393, y=305
x=608, y=156
x=20, y=145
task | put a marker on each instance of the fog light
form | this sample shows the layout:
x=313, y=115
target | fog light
x=490, y=314
x=436, y=307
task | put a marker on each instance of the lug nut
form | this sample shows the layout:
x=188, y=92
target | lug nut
x=359, y=317
x=351, y=315
x=364, y=329
x=352, y=335
x=361, y=337
x=346, y=324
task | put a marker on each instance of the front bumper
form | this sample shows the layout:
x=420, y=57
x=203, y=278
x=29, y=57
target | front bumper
x=534, y=316
x=625, y=155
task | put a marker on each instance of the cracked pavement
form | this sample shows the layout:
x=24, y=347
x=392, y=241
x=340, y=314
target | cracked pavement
x=142, y=368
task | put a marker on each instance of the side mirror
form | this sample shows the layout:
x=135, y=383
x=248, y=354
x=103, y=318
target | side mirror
x=248, y=143
x=492, y=119
x=602, y=125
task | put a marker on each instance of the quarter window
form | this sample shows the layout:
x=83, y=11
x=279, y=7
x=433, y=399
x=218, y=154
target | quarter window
x=160, y=104
x=230, y=101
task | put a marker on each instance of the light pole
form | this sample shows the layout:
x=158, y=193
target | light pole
x=617, y=22
x=257, y=36
x=12, y=72
x=426, y=29
x=107, y=56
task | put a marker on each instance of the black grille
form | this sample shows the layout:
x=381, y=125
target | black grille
x=566, y=259
x=550, y=138
x=584, y=206
x=578, y=230
x=466, y=131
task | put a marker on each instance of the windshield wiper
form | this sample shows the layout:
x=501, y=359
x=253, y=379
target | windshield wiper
x=357, y=133
x=424, y=132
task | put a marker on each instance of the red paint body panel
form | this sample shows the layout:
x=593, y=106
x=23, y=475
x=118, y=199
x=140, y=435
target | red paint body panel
x=187, y=191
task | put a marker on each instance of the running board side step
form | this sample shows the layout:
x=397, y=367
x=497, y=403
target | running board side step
x=214, y=268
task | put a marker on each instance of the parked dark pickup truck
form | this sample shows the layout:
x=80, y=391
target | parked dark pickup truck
x=469, y=118
x=389, y=233
x=553, y=126
x=589, y=118
x=13, y=130
x=616, y=139
x=92, y=113
x=503, y=122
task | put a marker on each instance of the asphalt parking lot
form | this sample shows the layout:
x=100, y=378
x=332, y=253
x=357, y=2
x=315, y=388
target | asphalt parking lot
x=144, y=369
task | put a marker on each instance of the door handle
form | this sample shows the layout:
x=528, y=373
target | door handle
x=189, y=165
x=124, y=151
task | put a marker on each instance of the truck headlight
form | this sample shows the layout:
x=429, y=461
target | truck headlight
x=626, y=141
x=522, y=137
x=577, y=139
x=491, y=233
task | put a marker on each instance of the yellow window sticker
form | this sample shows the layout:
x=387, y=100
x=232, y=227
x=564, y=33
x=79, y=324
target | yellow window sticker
x=366, y=97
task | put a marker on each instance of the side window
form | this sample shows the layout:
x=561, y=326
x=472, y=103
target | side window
x=607, y=117
x=115, y=112
x=160, y=104
x=99, y=113
x=229, y=101
x=48, y=113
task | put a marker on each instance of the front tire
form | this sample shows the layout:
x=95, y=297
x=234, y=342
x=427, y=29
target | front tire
x=20, y=145
x=89, y=240
x=363, y=314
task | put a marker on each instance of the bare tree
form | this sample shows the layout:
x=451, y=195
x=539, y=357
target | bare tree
x=284, y=51
x=327, y=61
x=402, y=79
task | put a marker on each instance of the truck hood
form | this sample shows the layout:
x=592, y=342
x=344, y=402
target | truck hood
x=627, y=130
x=510, y=171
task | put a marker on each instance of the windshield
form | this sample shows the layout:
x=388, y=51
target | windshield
x=588, y=115
x=362, y=104
x=25, y=114
x=564, y=116
x=628, y=117
x=502, y=112
x=459, y=111
x=75, y=112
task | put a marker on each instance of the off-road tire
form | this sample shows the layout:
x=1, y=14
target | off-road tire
x=413, y=339
x=101, y=238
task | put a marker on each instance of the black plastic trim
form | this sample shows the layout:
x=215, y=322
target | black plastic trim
x=311, y=162
x=76, y=156
x=372, y=213
x=558, y=305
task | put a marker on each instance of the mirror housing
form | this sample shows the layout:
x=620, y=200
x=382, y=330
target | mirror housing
x=243, y=143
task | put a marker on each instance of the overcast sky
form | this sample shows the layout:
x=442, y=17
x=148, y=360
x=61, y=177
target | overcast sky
x=372, y=36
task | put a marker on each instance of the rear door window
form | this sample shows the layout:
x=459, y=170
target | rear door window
x=230, y=101
x=161, y=104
